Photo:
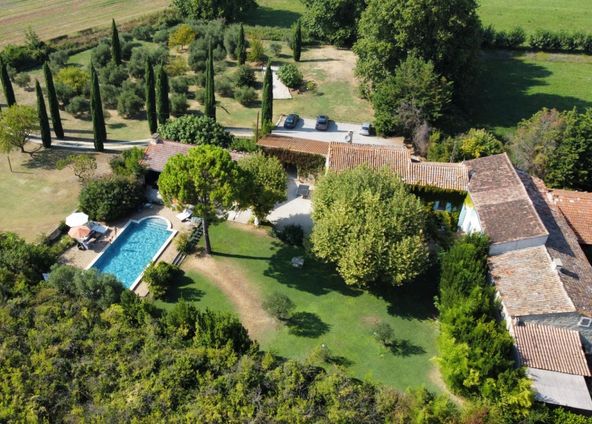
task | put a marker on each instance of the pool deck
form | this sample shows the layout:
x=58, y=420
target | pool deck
x=83, y=258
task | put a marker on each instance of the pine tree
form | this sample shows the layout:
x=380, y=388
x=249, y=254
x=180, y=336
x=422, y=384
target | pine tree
x=43, y=120
x=7, y=85
x=267, y=98
x=162, y=95
x=297, y=41
x=115, y=44
x=241, y=47
x=96, y=110
x=210, y=97
x=150, y=98
x=54, y=106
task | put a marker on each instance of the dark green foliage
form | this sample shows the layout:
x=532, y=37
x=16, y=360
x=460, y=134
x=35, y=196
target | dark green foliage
x=150, y=97
x=279, y=306
x=243, y=144
x=109, y=198
x=196, y=130
x=308, y=165
x=231, y=40
x=162, y=95
x=129, y=104
x=210, y=98
x=267, y=97
x=7, y=85
x=19, y=257
x=292, y=234
x=245, y=76
x=137, y=62
x=246, y=96
x=473, y=144
x=544, y=40
x=78, y=106
x=490, y=38
x=332, y=21
x=384, y=333
x=230, y=10
x=159, y=277
x=129, y=163
x=58, y=59
x=115, y=44
x=43, y=120
x=241, y=48
x=54, y=107
x=96, y=111
x=64, y=93
x=297, y=41
x=224, y=86
x=179, y=85
x=290, y=75
x=113, y=74
x=101, y=55
x=179, y=104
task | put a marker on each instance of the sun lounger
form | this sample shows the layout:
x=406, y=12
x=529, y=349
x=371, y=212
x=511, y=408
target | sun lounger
x=186, y=214
x=98, y=228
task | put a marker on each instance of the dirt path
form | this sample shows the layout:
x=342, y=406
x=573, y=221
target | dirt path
x=239, y=290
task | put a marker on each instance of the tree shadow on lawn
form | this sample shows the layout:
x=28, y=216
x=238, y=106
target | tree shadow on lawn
x=47, y=158
x=405, y=348
x=267, y=16
x=502, y=98
x=307, y=324
x=182, y=290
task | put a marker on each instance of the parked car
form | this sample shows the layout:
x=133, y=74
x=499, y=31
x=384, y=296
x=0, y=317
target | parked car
x=322, y=123
x=367, y=129
x=291, y=121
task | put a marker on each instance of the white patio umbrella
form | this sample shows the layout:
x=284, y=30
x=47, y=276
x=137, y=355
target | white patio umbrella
x=76, y=219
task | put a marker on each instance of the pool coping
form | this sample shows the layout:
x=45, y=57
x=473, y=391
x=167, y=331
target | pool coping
x=165, y=244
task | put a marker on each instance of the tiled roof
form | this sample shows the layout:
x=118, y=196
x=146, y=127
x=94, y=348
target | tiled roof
x=551, y=348
x=295, y=144
x=576, y=206
x=449, y=176
x=505, y=211
x=157, y=154
x=527, y=283
x=562, y=244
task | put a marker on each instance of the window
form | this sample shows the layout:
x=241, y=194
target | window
x=585, y=322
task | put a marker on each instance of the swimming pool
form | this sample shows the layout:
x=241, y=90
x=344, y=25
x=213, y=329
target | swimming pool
x=138, y=244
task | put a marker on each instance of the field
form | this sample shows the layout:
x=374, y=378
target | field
x=52, y=18
x=36, y=196
x=516, y=85
x=569, y=15
x=248, y=265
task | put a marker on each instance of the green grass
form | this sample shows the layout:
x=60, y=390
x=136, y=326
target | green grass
x=570, y=15
x=332, y=313
x=514, y=86
x=281, y=13
x=196, y=289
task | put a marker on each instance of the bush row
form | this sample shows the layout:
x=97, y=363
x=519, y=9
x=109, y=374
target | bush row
x=559, y=41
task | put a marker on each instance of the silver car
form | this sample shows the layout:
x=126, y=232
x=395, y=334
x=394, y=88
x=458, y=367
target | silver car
x=366, y=129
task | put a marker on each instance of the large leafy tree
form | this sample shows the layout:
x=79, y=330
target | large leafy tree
x=111, y=197
x=414, y=94
x=43, y=119
x=370, y=226
x=54, y=106
x=445, y=32
x=205, y=177
x=230, y=10
x=150, y=94
x=190, y=129
x=265, y=183
x=17, y=123
x=181, y=37
x=333, y=21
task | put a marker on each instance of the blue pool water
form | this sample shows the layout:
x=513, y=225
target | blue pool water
x=131, y=252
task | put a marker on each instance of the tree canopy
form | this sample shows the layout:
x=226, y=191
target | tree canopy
x=190, y=129
x=370, y=226
x=230, y=10
x=333, y=21
x=17, y=123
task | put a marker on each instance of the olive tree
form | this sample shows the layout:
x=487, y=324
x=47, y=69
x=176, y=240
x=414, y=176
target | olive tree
x=16, y=125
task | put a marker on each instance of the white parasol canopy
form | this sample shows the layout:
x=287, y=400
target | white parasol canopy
x=76, y=219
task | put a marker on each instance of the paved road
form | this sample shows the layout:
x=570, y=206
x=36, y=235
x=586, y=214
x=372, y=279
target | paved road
x=337, y=132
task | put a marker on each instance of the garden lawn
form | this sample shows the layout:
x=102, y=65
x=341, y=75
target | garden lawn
x=329, y=312
x=513, y=86
x=554, y=15
x=280, y=13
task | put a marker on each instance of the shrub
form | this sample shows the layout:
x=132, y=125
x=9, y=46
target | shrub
x=137, y=62
x=384, y=333
x=276, y=49
x=246, y=96
x=75, y=78
x=161, y=36
x=245, y=76
x=23, y=80
x=101, y=55
x=64, y=93
x=113, y=74
x=159, y=277
x=129, y=163
x=109, y=95
x=196, y=130
x=224, y=86
x=231, y=35
x=129, y=104
x=256, y=51
x=177, y=66
x=200, y=94
x=183, y=243
x=243, y=144
x=279, y=306
x=516, y=37
x=179, y=85
x=142, y=32
x=179, y=104
x=544, y=40
x=126, y=50
x=19, y=57
x=78, y=106
x=291, y=234
x=290, y=75
x=135, y=87
x=58, y=59
x=109, y=198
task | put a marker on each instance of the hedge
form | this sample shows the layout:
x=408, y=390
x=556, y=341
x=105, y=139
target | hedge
x=543, y=40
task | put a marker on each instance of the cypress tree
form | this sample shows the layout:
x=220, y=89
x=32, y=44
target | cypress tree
x=7, y=85
x=115, y=44
x=162, y=95
x=297, y=41
x=96, y=110
x=42, y=113
x=54, y=106
x=150, y=98
x=267, y=98
x=241, y=47
x=210, y=97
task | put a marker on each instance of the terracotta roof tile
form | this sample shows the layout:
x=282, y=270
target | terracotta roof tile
x=551, y=348
x=576, y=206
x=505, y=211
x=295, y=144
